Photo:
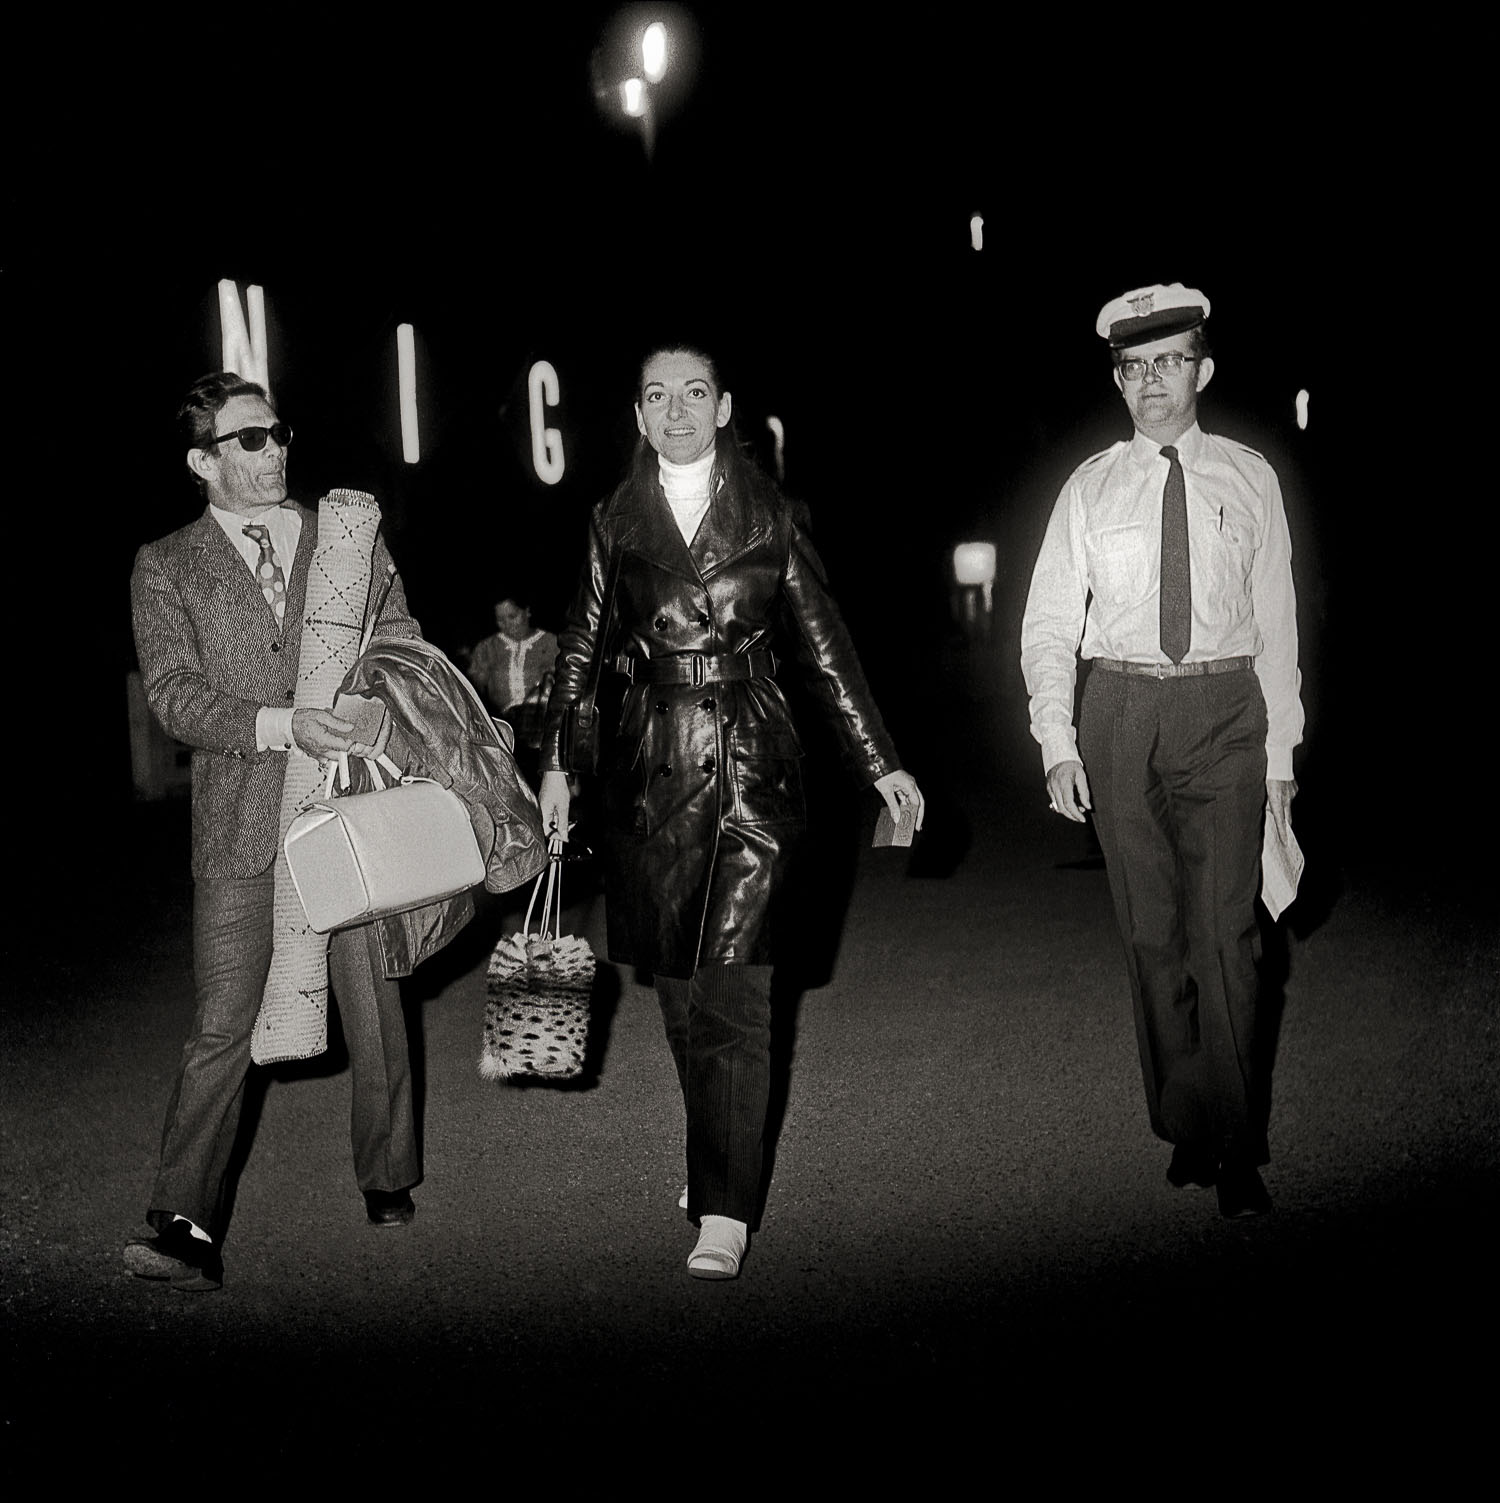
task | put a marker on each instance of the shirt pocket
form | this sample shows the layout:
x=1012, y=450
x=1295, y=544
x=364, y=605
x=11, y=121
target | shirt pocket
x=1119, y=562
x=1233, y=554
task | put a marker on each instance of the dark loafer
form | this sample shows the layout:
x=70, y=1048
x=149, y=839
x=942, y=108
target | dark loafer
x=177, y=1257
x=1242, y=1193
x=389, y=1207
x=1192, y=1165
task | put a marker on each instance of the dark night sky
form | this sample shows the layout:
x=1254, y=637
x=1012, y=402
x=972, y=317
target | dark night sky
x=807, y=211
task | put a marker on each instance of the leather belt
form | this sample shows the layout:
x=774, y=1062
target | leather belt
x=1175, y=670
x=696, y=667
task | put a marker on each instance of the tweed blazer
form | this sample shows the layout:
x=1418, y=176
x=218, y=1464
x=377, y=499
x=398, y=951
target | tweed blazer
x=211, y=655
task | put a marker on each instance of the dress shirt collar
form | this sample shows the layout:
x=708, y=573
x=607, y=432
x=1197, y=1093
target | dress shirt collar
x=283, y=523
x=1145, y=451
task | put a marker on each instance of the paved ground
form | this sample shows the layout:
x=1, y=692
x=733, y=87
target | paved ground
x=969, y=1254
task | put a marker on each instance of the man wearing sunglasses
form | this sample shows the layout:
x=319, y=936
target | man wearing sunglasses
x=217, y=610
x=1167, y=565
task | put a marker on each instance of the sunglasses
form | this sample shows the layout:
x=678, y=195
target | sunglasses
x=252, y=440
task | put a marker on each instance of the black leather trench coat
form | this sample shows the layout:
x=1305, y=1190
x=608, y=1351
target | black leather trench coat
x=702, y=784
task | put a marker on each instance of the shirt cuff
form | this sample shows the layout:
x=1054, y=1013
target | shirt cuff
x=1279, y=764
x=1059, y=746
x=273, y=728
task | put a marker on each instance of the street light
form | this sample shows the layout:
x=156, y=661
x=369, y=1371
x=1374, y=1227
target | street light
x=644, y=65
x=638, y=93
x=654, y=51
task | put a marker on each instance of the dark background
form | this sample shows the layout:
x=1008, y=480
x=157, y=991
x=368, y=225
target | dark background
x=806, y=212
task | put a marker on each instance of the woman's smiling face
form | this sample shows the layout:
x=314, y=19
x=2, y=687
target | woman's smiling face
x=679, y=411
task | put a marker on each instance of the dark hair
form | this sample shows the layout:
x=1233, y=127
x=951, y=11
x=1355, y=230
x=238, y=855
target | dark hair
x=203, y=402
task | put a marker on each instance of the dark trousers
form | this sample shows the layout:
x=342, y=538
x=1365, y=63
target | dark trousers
x=719, y=1028
x=1177, y=771
x=232, y=940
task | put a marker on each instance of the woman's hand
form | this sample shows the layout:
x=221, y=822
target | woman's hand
x=899, y=790
x=555, y=799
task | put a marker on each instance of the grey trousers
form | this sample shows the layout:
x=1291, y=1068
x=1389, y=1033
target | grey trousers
x=1177, y=769
x=718, y=1025
x=232, y=940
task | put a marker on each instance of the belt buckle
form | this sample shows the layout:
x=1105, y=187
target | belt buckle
x=697, y=670
x=1164, y=670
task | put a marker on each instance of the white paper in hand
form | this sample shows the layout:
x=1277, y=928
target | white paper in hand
x=1281, y=863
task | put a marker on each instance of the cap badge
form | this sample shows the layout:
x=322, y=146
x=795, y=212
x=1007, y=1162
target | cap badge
x=1143, y=304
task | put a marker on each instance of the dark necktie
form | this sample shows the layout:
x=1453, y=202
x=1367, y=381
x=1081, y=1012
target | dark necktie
x=268, y=573
x=1176, y=576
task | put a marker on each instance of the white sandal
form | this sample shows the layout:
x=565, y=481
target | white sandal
x=721, y=1245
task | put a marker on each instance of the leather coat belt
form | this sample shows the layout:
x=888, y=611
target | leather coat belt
x=1175, y=670
x=696, y=667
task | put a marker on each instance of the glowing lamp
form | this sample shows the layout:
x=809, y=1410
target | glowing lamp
x=1302, y=409
x=633, y=97
x=654, y=51
x=976, y=231
x=974, y=563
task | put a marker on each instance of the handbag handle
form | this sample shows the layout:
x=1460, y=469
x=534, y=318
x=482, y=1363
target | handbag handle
x=340, y=766
x=552, y=902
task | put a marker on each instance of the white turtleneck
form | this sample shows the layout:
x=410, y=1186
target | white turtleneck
x=686, y=487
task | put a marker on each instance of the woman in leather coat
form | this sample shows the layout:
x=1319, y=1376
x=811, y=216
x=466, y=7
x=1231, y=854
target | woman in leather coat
x=717, y=591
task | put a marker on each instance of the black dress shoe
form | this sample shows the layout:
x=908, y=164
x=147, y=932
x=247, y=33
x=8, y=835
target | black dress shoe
x=1242, y=1192
x=1192, y=1165
x=177, y=1257
x=389, y=1207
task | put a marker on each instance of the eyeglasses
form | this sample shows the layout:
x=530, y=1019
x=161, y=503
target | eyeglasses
x=1161, y=365
x=253, y=440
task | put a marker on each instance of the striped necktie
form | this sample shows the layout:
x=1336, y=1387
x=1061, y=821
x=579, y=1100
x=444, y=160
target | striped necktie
x=1176, y=574
x=268, y=573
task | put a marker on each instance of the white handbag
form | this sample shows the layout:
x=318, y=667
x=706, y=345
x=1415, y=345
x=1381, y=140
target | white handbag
x=366, y=855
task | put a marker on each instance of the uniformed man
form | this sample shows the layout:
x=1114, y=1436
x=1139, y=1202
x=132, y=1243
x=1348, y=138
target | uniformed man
x=1168, y=559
